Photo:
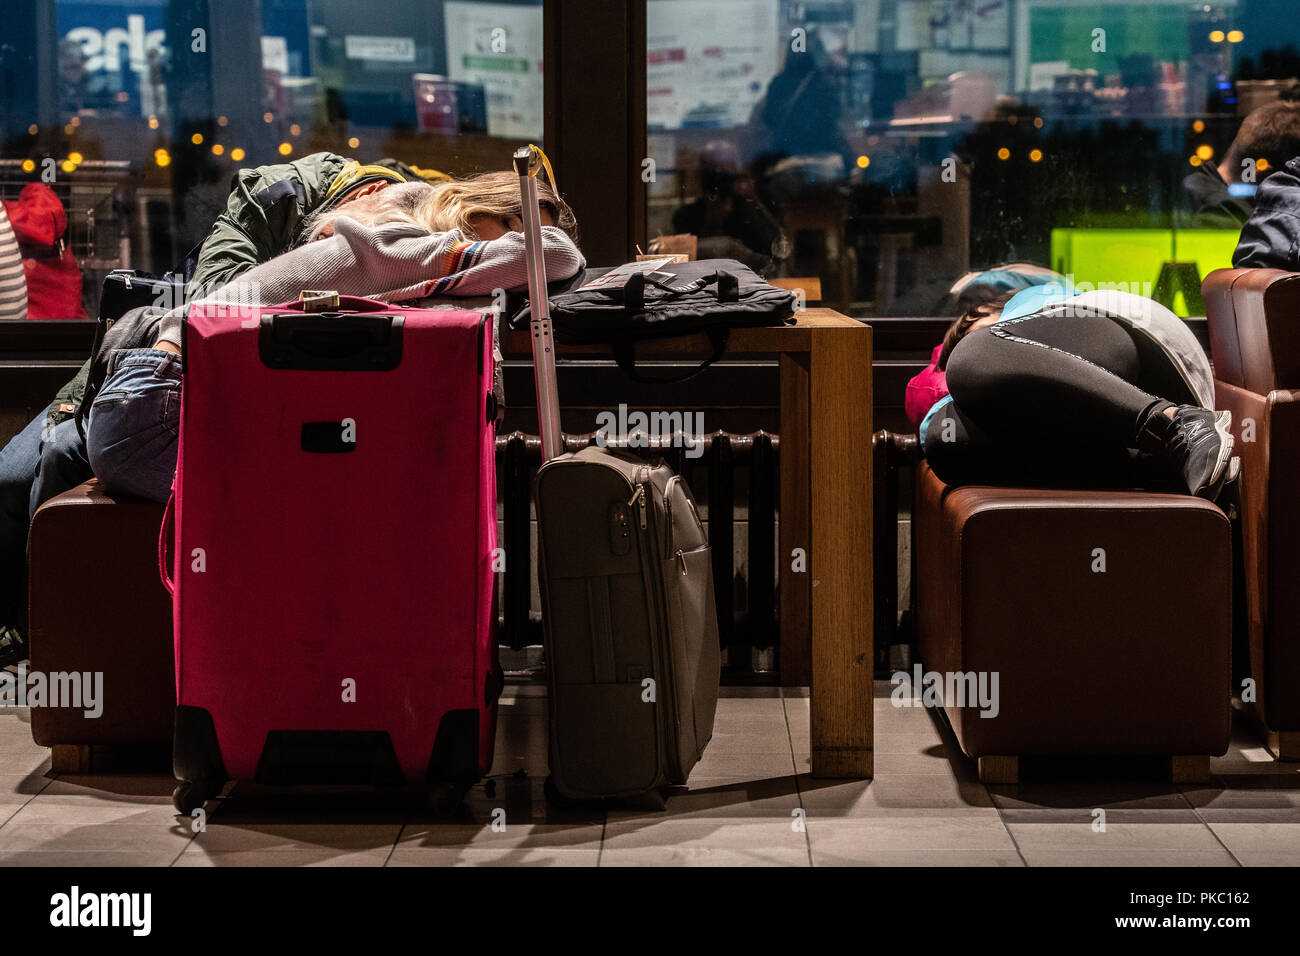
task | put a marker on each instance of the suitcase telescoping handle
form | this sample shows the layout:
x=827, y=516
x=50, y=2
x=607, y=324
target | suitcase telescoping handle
x=528, y=161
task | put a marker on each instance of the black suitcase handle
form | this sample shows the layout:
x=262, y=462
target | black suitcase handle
x=330, y=341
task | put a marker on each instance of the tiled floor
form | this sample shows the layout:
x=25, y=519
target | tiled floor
x=750, y=802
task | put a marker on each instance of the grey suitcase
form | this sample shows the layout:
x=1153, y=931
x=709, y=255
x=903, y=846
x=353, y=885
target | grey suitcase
x=629, y=619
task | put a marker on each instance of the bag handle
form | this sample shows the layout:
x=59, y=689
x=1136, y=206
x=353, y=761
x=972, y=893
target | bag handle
x=165, y=534
x=634, y=289
x=625, y=356
x=348, y=303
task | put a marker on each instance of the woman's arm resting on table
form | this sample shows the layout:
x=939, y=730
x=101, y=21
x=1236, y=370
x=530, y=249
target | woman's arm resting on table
x=393, y=262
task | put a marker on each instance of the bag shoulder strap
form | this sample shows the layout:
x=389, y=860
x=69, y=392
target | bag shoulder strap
x=625, y=356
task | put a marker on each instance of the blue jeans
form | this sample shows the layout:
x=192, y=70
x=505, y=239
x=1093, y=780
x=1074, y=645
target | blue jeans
x=134, y=422
x=35, y=466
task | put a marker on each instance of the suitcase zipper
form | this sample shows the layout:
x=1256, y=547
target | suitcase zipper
x=690, y=500
x=664, y=675
x=668, y=514
x=680, y=555
x=638, y=499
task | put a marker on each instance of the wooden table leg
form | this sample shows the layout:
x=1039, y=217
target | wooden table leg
x=840, y=518
x=793, y=550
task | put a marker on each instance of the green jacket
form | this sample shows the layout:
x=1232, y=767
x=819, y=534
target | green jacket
x=263, y=215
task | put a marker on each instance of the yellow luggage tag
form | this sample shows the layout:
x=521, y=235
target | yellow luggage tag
x=540, y=157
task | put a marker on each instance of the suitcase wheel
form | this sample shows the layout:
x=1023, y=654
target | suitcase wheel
x=651, y=800
x=191, y=795
x=554, y=797
x=445, y=799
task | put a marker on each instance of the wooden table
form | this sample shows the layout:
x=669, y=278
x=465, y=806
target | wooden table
x=825, y=515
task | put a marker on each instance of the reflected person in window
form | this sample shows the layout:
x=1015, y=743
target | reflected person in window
x=1224, y=196
x=728, y=218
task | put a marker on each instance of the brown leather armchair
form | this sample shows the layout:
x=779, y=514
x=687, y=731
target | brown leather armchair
x=95, y=604
x=1106, y=616
x=1254, y=319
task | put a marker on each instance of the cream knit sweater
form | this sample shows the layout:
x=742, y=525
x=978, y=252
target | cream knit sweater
x=394, y=262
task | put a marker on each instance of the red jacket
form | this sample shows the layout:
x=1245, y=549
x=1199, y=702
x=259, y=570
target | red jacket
x=925, y=388
x=53, y=276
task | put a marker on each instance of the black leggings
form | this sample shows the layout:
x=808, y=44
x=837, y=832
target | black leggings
x=1053, y=399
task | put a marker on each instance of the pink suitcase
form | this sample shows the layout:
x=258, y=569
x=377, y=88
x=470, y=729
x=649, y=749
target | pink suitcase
x=332, y=566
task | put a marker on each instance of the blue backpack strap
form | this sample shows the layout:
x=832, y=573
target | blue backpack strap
x=925, y=422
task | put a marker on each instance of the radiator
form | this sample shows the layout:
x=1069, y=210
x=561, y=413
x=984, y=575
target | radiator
x=747, y=604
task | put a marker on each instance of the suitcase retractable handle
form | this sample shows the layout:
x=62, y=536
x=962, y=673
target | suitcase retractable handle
x=528, y=161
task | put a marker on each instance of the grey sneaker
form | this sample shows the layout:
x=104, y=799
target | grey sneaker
x=1199, y=444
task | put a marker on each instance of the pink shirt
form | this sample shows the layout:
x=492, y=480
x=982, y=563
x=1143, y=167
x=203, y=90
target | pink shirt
x=925, y=388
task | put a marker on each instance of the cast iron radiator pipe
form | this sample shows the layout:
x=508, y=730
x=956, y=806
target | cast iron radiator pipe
x=725, y=458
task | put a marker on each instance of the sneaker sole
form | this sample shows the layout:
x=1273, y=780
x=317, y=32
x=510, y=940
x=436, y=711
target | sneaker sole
x=1227, y=467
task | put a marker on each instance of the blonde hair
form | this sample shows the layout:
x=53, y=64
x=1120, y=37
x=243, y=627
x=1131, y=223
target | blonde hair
x=441, y=207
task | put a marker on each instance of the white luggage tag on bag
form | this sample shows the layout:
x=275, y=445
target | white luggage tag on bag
x=617, y=278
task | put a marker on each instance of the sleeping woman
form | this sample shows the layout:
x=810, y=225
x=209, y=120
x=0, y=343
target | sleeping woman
x=404, y=242
x=1106, y=389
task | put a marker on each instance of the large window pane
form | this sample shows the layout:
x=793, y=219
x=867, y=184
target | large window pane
x=887, y=147
x=128, y=119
